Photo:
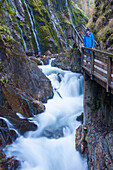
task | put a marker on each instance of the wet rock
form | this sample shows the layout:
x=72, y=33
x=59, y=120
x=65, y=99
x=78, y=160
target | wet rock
x=80, y=118
x=29, y=52
x=70, y=60
x=45, y=59
x=81, y=139
x=23, y=76
x=9, y=163
x=13, y=134
x=38, y=104
x=17, y=102
x=5, y=137
x=22, y=125
x=48, y=53
x=53, y=133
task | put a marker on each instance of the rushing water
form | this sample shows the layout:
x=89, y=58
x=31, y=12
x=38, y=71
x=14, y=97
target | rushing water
x=52, y=145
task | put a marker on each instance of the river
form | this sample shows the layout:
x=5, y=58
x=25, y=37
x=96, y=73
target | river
x=52, y=145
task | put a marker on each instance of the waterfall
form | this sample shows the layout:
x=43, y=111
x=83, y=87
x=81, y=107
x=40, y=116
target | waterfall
x=33, y=25
x=52, y=145
x=24, y=43
x=72, y=20
x=70, y=14
x=55, y=22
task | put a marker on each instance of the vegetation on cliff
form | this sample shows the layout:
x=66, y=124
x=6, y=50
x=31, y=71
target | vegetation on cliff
x=102, y=22
x=50, y=19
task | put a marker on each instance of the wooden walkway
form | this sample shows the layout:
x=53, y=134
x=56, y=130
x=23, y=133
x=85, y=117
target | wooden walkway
x=98, y=65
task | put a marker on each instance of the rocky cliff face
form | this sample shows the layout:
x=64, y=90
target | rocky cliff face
x=102, y=23
x=41, y=25
x=96, y=138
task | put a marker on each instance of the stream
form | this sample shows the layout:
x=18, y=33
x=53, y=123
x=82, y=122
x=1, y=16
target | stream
x=52, y=145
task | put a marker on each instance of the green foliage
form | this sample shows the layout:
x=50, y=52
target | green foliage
x=102, y=23
x=78, y=16
x=4, y=81
x=4, y=29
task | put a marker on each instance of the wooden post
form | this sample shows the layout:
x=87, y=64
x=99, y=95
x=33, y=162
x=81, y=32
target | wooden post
x=82, y=53
x=109, y=72
x=92, y=64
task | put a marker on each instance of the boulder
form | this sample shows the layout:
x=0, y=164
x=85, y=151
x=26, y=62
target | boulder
x=70, y=60
x=81, y=139
x=21, y=125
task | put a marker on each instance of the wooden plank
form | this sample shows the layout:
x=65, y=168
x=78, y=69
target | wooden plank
x=87, y=69
x=86, y=65
x=109, y=69
x=87, y=54
x=103, y=66
x=100, y=72
x=104, y=60
x=87, y=59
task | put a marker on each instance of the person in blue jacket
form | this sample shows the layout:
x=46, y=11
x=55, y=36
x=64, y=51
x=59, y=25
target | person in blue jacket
x=89, y=40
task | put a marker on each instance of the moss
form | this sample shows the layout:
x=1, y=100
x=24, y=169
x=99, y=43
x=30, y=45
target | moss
x=36, y=61
x=1, y=67
x=4, y=30
x=101, y=23
x=4, y=81
x=78, y=16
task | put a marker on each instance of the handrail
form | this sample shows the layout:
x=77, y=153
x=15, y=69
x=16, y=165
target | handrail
x=99, y=51
x=78, y=35
x=100, y=65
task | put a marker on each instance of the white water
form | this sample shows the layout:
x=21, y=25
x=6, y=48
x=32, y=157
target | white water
x=38, y=152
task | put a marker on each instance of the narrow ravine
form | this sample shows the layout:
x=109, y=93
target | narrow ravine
x=52, y=145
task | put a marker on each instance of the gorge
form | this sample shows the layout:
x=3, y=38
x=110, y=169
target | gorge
x=40, y=105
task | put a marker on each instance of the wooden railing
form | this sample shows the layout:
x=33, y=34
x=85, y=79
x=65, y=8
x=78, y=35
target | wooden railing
x=99, y=65
x=78, y=39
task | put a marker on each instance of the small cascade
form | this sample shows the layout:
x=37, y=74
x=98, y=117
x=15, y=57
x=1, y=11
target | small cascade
x=55, y=22
x=70, y=14
x=13, y=6
x=7, y=122
x=24, y=43
x=33, y=25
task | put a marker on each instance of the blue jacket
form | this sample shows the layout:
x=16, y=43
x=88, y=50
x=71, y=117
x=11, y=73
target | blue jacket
x=89, y=40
